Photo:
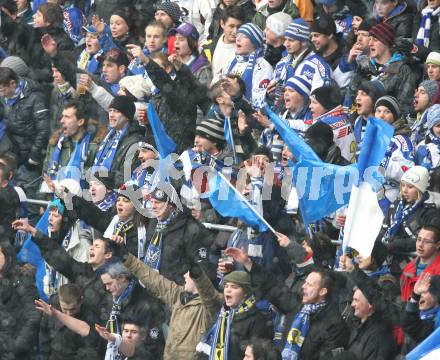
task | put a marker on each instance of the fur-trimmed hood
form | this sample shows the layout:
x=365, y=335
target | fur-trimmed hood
x=96, y=128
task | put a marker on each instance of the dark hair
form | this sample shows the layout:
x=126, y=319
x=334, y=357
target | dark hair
x=70, y=293
x=158, y=55
x=134, y=321
x=80, y=110
x=52, y=14
x=235, y=12
x=4, y=174
x=328, y=280
x=7, y=75
x=263, y=349
x=10, y=6
x=9, y=253
x=117, y=57
x=434, y=229
x=109, y=245
x=193, y=45
x=10, y=163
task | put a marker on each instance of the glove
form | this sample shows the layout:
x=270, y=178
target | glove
x=404, y=46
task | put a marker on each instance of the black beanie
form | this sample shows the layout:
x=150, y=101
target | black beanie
x=324, y=25
x=107, y=181
x=126, y=13
x=373, y=88
x=391, y=103
x=329, y=96
x=263, y=150
x=124, y=105
x=367, y=24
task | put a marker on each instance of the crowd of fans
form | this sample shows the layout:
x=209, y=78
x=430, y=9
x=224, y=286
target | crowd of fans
x=134, y=264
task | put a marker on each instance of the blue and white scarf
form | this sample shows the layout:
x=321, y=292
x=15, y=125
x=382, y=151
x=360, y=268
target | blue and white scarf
x=298, y=331
x=424, y=33
x=403, y=212
x=108, y=148
x=113, y=324
x=432, y=315
x=154, y=252
x=108, y=201
x=77, y=160
x=248, y=73
x=432, y=148
x=419, y=129
x=18, y=94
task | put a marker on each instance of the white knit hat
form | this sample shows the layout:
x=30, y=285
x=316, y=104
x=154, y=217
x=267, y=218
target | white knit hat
x=278, y=23
x=433, y=58
x=417, y=176
x=137, y=85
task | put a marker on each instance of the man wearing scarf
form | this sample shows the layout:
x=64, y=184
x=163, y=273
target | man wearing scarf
x=313, y=323
x=421, y=316
x=72, y=148
x=250, y=65
x=238, y=320
x=131, y=300
x=123, y=133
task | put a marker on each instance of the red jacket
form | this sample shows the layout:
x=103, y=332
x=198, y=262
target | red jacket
x=409, y=277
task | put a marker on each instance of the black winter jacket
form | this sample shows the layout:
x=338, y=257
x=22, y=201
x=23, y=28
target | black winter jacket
x=416, y=328
x=402, y=22
x=27, y=123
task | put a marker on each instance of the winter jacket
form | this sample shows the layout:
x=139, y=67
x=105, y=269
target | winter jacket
x=57, y=342
x=27, y=123
x=176, y=103
x=415, y=327
x=434, y=35
x=401, y=19
x=409, y=276
x=327, y=330
x=249, y=324
x=215, y=30
x=372, y=339
x=82, y=274
x=398, y=78
x=184, y=241
x=9, y=207
x=97, y=131
x=264, y=12
x=20, y=319
x=189, y=318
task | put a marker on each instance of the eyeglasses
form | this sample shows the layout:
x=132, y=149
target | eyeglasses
x=425, y=241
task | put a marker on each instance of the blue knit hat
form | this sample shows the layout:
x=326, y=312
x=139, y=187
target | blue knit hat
x=57, y=204
x=433, y=116
x=301, y=86
x=298, y=30
x=253, y=32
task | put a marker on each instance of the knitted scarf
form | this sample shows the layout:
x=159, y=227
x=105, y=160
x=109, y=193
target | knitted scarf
x=403, y=212
x=431, y=314
x=118, y=227
x=77, y=159
x=154, y=251
x=108, y=148
x=424, y=33
x=18, y=94
x=108, y=201
x=113, y=324
x=432, y=157
x=248, y=73
x=419, y=129
x=299, y=329
x=221, y=331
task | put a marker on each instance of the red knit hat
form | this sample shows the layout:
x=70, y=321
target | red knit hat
x=384, y=33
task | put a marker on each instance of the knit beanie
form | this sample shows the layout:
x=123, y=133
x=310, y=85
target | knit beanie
x=324, y=25
x=127, y=188
x=391, y=103
x=433, y=116
x=301, y=86
x=124, y=105
x=434, y=287
x=211, y=129
x=384, y=33
x=329, y=96
x=172, y=9
x=241, y=278
x=373, y=88
x=417, y=176
x=278, y=23
x=136, y=85
x=263, y=150
x=125, y=13
x=253, y=32
x=433, y=58
x=16, y=64
x=57, y=204
x=107, y=181
x=298, y=30
x=431, y=87
x=366, y=25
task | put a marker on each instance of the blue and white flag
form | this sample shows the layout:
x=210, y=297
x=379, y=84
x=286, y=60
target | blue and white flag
x=428, y=349
x=364, y=215
x=322, y=188
x=164, y=143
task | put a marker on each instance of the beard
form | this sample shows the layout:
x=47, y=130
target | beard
x=322, y=50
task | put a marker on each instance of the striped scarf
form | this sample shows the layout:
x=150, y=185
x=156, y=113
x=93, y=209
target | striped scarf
x=432, y=157
x=424, y=33
x=18, y=94
x=248, y=73
x=299, y=329
x=108, y=148
x=113, y=324
x=108, y=201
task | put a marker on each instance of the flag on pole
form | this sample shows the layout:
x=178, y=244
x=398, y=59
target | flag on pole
x=364, y=215
x=322, y=188
x=164, y=143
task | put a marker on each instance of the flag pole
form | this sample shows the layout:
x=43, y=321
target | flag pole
x=248, y=204
x=234, y=154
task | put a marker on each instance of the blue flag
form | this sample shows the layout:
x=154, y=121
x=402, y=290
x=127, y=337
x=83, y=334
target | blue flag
x=228, y=134
x=322, y=188
x=229, y=202
x=30, y=253
x=428, y=348
x=164, y=144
